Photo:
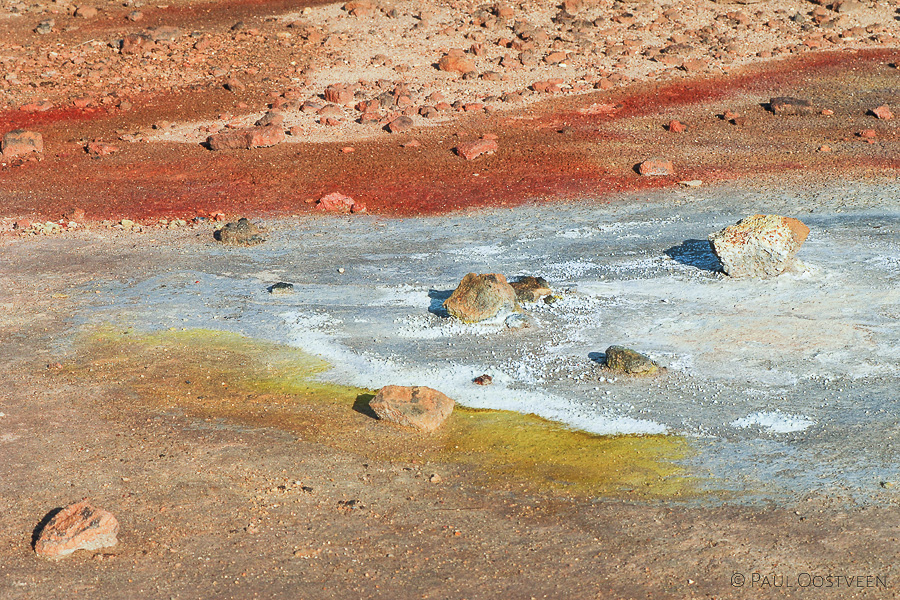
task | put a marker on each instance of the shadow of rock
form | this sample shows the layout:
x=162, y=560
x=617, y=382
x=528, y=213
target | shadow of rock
x=40, y=526
x=696, y=253
x=437, y=302
x=598, y=357
x=361, y=405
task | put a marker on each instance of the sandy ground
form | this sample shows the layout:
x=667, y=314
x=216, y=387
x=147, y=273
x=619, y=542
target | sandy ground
x=306, y=498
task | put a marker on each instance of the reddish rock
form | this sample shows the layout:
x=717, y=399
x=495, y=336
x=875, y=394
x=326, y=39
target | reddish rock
x=86, y=12
x=883, y=112
x=75, y=214
x=401, y=124
x=656, y=167
x=868, y=134
x=336, y=202
x=234, y=85
x=556, y=57
x=695, y=65
x=101, y=148
x=273, y=117
x=243, y=139
x=474, y=149
x=36, y=107
x=456, y=61
x=134, y=44
x=676, y=127
x=480, y=297
x=483, y=380
x=418, y=407
x=79, y=526
x=20, y=142
x=339, y=94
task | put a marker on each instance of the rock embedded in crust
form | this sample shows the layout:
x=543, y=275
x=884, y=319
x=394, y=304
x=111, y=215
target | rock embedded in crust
x=656, y=167
x=245, y=139
x=883, y=112
x=630, y=362
x=480, y=297
x=474, y=149
x=79, y=526
x=759, y=246
x=336, y=202
x=282, y=288
x=20, y=142
x=531, y=289
x=791, y=106
x=240, y=233
x=418, y=407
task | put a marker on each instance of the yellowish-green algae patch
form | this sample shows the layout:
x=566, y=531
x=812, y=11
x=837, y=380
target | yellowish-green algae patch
x=213, y=374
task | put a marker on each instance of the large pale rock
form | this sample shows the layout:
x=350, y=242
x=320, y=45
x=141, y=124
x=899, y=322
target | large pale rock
x=480, y=297
x=418, y=407
x=240, y=233
x=759, y=246
x=79, y=526
x=19, y=142
x=245, y=139
x=630, y=362
x=456, y=61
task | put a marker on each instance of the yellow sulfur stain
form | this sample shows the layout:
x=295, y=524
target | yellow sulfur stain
x=213, y=374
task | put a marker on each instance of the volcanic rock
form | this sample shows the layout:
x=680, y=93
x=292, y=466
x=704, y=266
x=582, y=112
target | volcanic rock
x=240, y=233
x=19, y=142
x=336, y=202
x=244, y=139
x=480, y=297
x=759, y=246
x=656, y=167
x=418, y=407
x=531, y=289
x=627, y=361
x=79, y=526
x=456, y=61
x=401, y=124
x=474, y=149
x=483, y=380
x=791, y=106
x=883, y=112
x=282, y=289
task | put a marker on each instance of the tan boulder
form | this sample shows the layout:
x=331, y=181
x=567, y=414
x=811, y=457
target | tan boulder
x=79, y=526
x=418, y=407
x=480, y=297
x=759, y=246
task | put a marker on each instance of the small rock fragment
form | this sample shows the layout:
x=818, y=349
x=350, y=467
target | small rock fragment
x=79, y=526
x=474, y=149
x=282, y=288
x=791, y=106
x=531, y=289
x=759, y=246
x=518, y=321
x=240, y=233
x=480, y=297
x=656, y=167
x=86, y=12
x=883, y=112
x=419, y=407
x=483, y=380
x=676, y=126
x=627, y=361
